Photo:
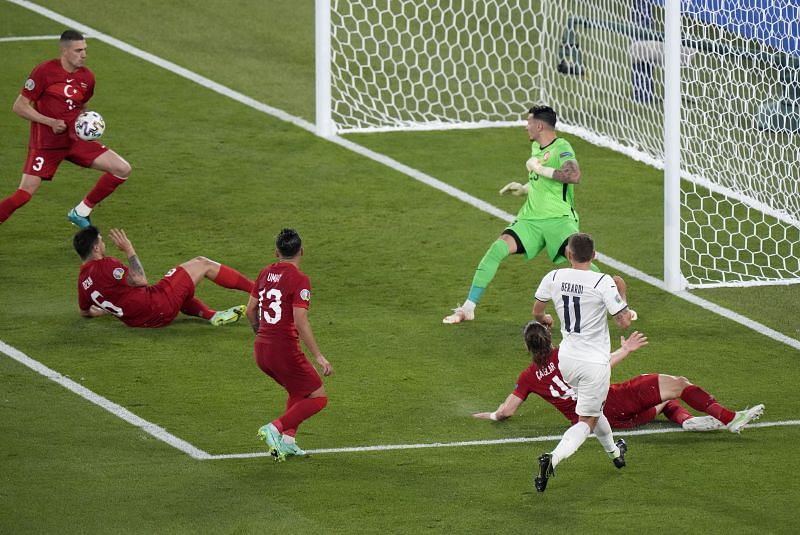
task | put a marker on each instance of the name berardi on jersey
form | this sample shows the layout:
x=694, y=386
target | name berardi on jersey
x=571, y=287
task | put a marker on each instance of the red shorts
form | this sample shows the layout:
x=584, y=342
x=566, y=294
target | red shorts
x=289, y=367
x=167, y=297
x=44, y=162
x=633, y=402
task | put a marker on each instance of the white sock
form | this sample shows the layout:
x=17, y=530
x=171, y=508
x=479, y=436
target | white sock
x=570, y=442
x=469, y=306
x=602, y=430
x=288, y=439
x=83, y=210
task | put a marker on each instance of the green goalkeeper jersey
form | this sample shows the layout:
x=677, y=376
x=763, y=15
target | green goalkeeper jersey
x=548, y=198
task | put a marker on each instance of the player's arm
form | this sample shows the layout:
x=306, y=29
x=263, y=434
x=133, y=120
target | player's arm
x=505, y=410
x=93, y=312
x=136, y=275
x=24, y=107
x=635, y=341
x=252, y=313
x=304, y=330
x=539, y=315
x=568, y=173
x=623, y=318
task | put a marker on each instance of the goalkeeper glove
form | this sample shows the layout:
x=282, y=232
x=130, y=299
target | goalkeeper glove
x=535, y=166
x=515, y=188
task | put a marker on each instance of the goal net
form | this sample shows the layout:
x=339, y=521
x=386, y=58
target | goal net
x=425, y=64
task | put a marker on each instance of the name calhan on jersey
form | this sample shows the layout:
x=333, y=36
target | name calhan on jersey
x=87, y=283
x=547, y=370
x=274, y=277
x=571, y=287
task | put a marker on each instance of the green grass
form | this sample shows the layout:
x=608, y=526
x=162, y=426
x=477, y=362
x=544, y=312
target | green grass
x=387, y=257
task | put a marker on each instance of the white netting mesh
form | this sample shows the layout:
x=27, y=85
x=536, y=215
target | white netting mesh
x=445, y=64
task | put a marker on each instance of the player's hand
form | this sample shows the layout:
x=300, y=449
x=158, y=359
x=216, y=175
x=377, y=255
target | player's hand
x=547, y=321
x=515, y=188
x=635, y=341
x=58, y=126
x=121, y=240
x=324, y=365
x=534, y=165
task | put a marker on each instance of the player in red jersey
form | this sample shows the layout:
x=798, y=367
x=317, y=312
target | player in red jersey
x=278, y=313
x=107, y=286
x=56, y=92
x=632, y=403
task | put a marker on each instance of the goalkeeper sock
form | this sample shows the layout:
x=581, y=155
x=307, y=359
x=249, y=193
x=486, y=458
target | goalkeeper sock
x=487, y=268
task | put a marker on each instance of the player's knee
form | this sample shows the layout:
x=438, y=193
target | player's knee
x=683, y=382
x=122, y=170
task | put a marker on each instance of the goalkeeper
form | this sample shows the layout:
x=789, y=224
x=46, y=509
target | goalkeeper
x=548, y=216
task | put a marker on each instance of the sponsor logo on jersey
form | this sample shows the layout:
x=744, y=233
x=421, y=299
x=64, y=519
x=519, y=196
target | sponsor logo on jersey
x=305, y=294
x=118, y=273
x=545, y=156
x=87, y=283
x=69, y=80
x=30, y=84
x=565, y=154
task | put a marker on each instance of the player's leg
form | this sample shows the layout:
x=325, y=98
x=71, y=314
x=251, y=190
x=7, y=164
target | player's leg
x=300, y=409
x=200, y=268
x=116, y=172
x=195, y=307
x=702, y=401
x=556, y=235
x=27, y=187
x=602, y=430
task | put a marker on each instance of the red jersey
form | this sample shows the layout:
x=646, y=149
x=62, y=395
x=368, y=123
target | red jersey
x=279, y=288
x=58, y=94
x=104, y=283
x=626, y=403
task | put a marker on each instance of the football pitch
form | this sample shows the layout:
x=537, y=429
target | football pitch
x=106, y=429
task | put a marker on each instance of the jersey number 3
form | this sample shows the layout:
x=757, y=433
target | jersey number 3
x=570, y=325
x=274, y=296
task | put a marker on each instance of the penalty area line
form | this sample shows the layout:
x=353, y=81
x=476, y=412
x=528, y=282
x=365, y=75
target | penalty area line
x=117, y=410
x=29, y=38
x=491, y=442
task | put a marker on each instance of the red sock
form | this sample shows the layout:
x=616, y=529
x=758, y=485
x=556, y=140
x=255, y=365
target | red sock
x=12, y=202
x=232, y=279
x=195, y=307
x=105, y=186
x=290, y=402
x=676, y=412
x=299, y=412
x=700, y=400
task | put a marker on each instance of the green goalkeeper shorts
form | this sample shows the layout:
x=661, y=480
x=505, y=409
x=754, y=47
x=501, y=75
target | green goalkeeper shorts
x=536, y=234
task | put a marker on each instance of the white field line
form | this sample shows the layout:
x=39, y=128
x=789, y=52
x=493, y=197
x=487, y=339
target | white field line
x=117, y=410
x=29, y=38
x=380, y=158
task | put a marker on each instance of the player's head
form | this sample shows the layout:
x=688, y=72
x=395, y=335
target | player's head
x=73, y=50
x=85, y=241
x=288, y=243
x=580, y=248
x=538, y=342
x=541, y=119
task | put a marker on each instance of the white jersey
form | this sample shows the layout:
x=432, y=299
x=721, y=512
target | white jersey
x=581, y=299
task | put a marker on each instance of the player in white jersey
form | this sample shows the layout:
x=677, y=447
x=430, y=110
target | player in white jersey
x=582, y=298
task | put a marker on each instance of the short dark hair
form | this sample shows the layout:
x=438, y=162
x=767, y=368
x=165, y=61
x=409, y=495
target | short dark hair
x=582, y=247
x=288, y=243
x=538, y=341
x=84, y=241
x=545, y=114
x=71, y=35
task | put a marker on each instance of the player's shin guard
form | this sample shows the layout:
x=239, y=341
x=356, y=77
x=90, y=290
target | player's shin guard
x=702, y=401
x=232, y=279
x=104, y=187
x=301, y=411
x=570, y=442
x=12, y=202
x=487, y=268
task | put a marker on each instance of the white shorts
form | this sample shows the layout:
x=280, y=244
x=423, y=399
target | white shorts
x=589, y=380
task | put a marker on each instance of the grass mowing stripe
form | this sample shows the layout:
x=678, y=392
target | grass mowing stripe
x=391, y=163
x=117, y=410
x=467, y=443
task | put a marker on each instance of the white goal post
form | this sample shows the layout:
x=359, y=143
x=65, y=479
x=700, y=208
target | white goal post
x=707, y=91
